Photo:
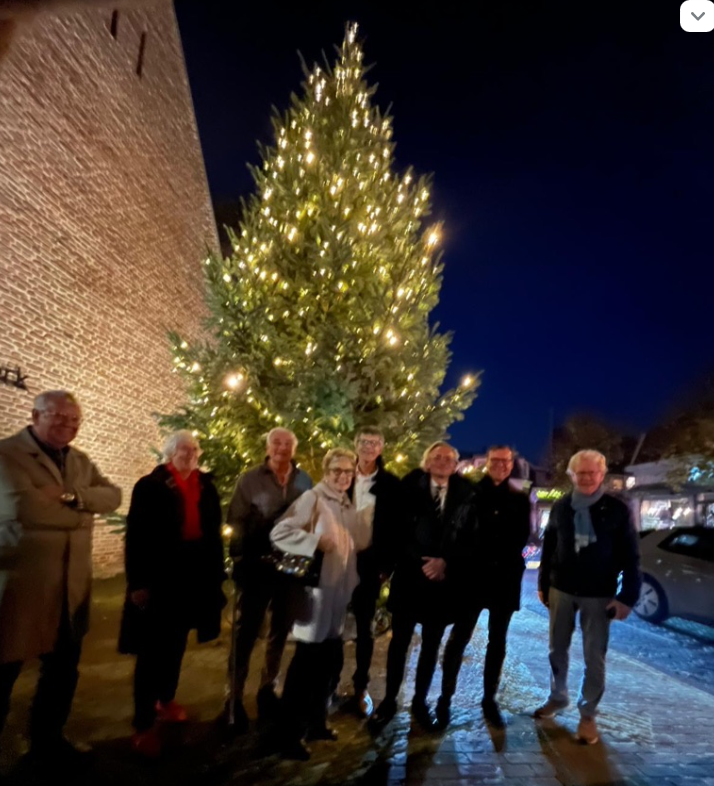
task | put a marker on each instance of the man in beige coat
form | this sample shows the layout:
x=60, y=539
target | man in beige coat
x=49, y=493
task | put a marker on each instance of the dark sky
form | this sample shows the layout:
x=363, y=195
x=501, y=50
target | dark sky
x=572, y=147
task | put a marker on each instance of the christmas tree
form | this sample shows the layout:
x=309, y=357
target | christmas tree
x=320, y=316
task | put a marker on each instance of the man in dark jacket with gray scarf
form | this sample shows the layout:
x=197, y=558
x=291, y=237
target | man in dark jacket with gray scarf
x=589, y=541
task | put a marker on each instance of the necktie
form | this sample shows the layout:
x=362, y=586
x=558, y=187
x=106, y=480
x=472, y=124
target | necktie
x=438, y=500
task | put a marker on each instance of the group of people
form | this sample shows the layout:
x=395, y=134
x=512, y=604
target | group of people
x=449, y=547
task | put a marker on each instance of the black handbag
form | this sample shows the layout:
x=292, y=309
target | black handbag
x=304, y=570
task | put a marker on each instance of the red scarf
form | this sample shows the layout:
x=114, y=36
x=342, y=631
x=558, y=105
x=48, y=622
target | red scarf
x=191, y=493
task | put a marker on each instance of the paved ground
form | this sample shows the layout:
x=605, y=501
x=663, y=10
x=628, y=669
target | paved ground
x=656, y=720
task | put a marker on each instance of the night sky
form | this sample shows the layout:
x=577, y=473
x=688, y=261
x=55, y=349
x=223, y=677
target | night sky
x=572, y=147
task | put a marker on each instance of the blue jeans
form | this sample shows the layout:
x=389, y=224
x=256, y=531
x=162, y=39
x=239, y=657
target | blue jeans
x=595, y=627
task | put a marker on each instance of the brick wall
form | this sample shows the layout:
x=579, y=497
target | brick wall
x=107, y=550
x=104, y=220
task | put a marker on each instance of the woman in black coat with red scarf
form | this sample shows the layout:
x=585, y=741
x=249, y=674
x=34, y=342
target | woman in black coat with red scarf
x=174, y=571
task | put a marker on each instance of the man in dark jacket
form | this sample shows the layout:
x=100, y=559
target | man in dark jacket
x=589, y=541
x=489, y=574
x=261, y=496
x=376, y=494
x=433, y=501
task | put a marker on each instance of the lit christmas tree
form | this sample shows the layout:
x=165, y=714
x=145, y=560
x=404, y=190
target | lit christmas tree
x=320, y=317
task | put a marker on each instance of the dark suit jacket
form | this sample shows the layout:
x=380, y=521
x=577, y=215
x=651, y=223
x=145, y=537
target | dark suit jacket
x=387, y=527
x=426, y=534
x=491, y=542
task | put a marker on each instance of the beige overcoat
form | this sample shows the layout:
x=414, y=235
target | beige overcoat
x=45, y=546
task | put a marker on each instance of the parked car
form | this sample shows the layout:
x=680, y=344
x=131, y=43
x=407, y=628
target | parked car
x=677, y=574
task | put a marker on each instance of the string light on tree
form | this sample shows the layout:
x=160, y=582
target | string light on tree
x=324, y=302
x=468, y=381
x=234, y=381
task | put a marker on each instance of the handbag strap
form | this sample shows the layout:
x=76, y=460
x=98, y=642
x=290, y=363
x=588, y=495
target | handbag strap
x=314, y=515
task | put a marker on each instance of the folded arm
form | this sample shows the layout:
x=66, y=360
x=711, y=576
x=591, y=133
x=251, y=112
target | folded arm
x=22, y=501
x=100, y=495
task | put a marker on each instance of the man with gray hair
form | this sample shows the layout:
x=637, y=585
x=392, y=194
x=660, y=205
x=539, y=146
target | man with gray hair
x=49, y=493
x=435, y=499
x=261, y=496
x=589, y=543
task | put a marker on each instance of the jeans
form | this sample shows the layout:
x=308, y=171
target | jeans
x=595, y=626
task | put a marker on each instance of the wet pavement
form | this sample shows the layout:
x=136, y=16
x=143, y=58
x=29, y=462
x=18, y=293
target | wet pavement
x=656, y=718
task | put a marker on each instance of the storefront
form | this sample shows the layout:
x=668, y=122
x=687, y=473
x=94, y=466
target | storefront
x=542, y=500
x=657, y=502
x=658, y=506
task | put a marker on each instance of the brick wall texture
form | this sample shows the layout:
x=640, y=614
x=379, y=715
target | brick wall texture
x=104, y=221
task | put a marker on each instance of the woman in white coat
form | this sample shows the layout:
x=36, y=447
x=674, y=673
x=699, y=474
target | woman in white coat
x=323, y=519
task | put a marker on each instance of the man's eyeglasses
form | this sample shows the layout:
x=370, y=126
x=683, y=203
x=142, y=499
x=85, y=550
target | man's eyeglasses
x=336, y=471
x=500, y=461
x=72, y=420
x=370, y=443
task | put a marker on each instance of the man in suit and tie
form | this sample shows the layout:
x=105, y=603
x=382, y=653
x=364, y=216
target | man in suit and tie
x=434, y=498
x=49, y=493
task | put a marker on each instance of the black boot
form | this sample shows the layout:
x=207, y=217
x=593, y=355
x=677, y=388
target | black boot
x=321, y=733
x=295, y=750
x=268, y=703
x=384, y=713
x=443, y=713
x=492, y=714
x=422, y=714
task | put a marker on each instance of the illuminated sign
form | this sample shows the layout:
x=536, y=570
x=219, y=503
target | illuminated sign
x=549, y=494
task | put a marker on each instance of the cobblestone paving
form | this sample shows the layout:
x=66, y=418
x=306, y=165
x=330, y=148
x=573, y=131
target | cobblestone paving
x=656, y=722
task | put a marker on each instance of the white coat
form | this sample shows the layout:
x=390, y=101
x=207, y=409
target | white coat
x=321, y=610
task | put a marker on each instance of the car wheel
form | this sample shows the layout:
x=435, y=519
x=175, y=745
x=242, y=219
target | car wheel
x=652, y=603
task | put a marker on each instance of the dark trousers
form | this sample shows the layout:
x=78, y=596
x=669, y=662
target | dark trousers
x=364, y=603
x=259, y=592
x=307, y=688
x=461, y=633
x=403, y=624
x=55, y=688
x=158, y=665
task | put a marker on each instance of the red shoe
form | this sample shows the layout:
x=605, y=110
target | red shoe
x=147, y=743
x=171, y=712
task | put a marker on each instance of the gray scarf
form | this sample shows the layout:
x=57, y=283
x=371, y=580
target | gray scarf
x=584, y=530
